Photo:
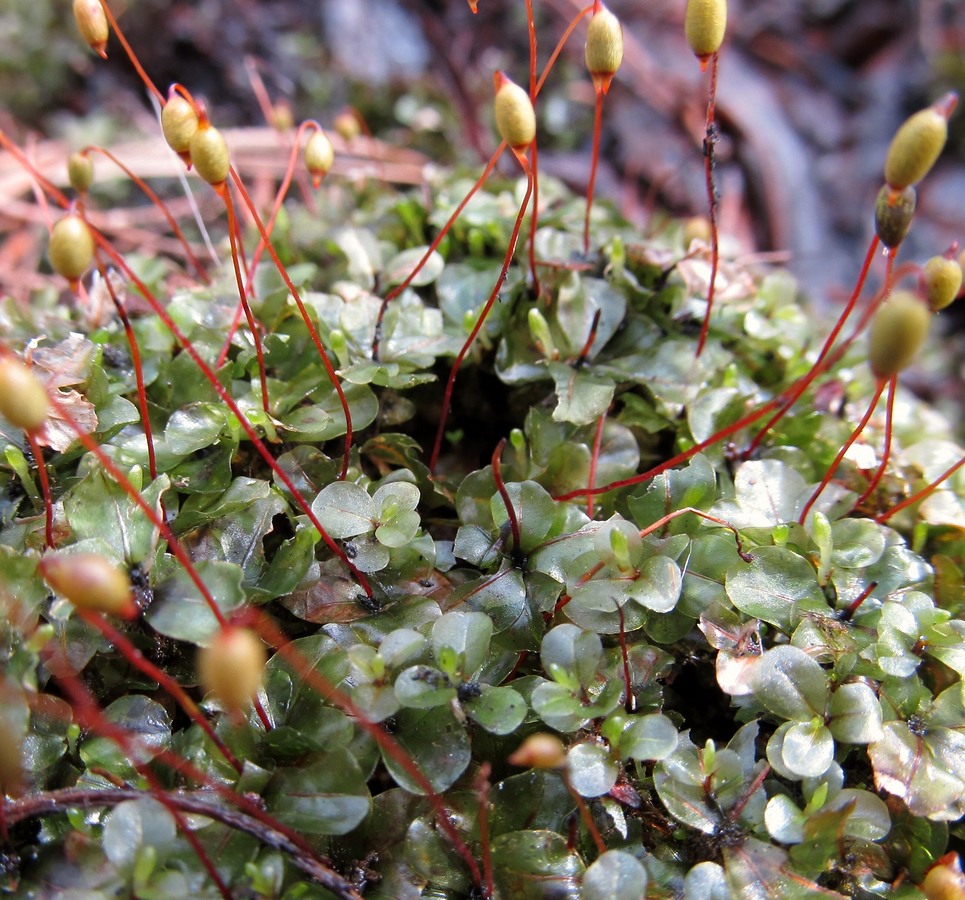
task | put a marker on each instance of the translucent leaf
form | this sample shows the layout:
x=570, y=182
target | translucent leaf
x=784, y=821
x=535, y=512
x=435, y=742
x=592, y=769
x=400, y=266
x=558, y=707
x=808, y=749
x=180, y=610
x=615, y=875
x=345, y=509
x=867, y=818
x=857, y=543
x=791, y=684
x=193, y=428
x=855, y=714
x=467, y=634
x=148, y=725
x=573, y=650
x=135, y=824
x=775, y=587
x=532, y=865
x=500, y=710
x=706, y=881
x=658, y=585
x=768, y=493
x=423, y=687
x=649, y=737
x=327, y=796
x=581, y=397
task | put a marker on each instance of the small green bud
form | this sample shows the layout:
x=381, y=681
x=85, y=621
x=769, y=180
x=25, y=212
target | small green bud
x=918, y=143
x=515, y=117
x=604, y=47
x=71, y=248
x=539, y=330
x=941, y=281
x=80, y=172
x=209, y=154
x=179, y=122
x=898, y=330
x=704, y=24
x=893, y=215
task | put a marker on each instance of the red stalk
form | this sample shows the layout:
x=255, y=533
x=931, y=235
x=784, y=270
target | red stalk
x=710, y=139
x=847, y=444
x=38, y=455
x=447, y=398
x=886, y=452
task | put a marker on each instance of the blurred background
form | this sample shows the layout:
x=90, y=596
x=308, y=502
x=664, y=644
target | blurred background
x=811, y=92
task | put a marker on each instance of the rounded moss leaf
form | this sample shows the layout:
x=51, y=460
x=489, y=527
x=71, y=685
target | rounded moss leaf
x=783, y=820
x=658, y=585
x=500, y=710
x=327, y=796
x=791, y=684
x=591, y=768
x=134, y=825
x=436, y=742
x=706, y=881
x=808, y=749
x=558, y=706
x=422, y=687
x=398, y=522
x=401, y=265
x=345, y=509
x=400, y=646
x=649, y=737
x=615, y=875
x=535, y=511
x=855, y=714
x=464, y=634
x=775, y=587
x=866, y=814
x=568, y=651
x=857, y=543
x=529, y=865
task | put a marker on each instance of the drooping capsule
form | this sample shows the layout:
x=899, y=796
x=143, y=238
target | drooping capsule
x=209, y=154
x=179, y=122
x=71, y=248
x=23, y=397
x=705, y=23
x=514, y=113
x=918, y=143
x=319, y=156
x=80, y=172
x=92, y=23
x=893, y=215
x=89, y=581
x=604, y=47
x=232, y=666
x=941, y=280
x=898, y=330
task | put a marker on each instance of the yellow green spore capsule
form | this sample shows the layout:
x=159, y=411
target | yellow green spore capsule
x=893, y=214
x=179, y=122
x=91, y=582
x=23, y=397
x=918, y=143
x=319, y=156
x=92, y=23
x=209, y=154
x=604, y=47
x=704, y=24
x=898, y=330
x=232, y=666
x=515, y=116
x=80, y=172
x=941, y=280
x=71, y=248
